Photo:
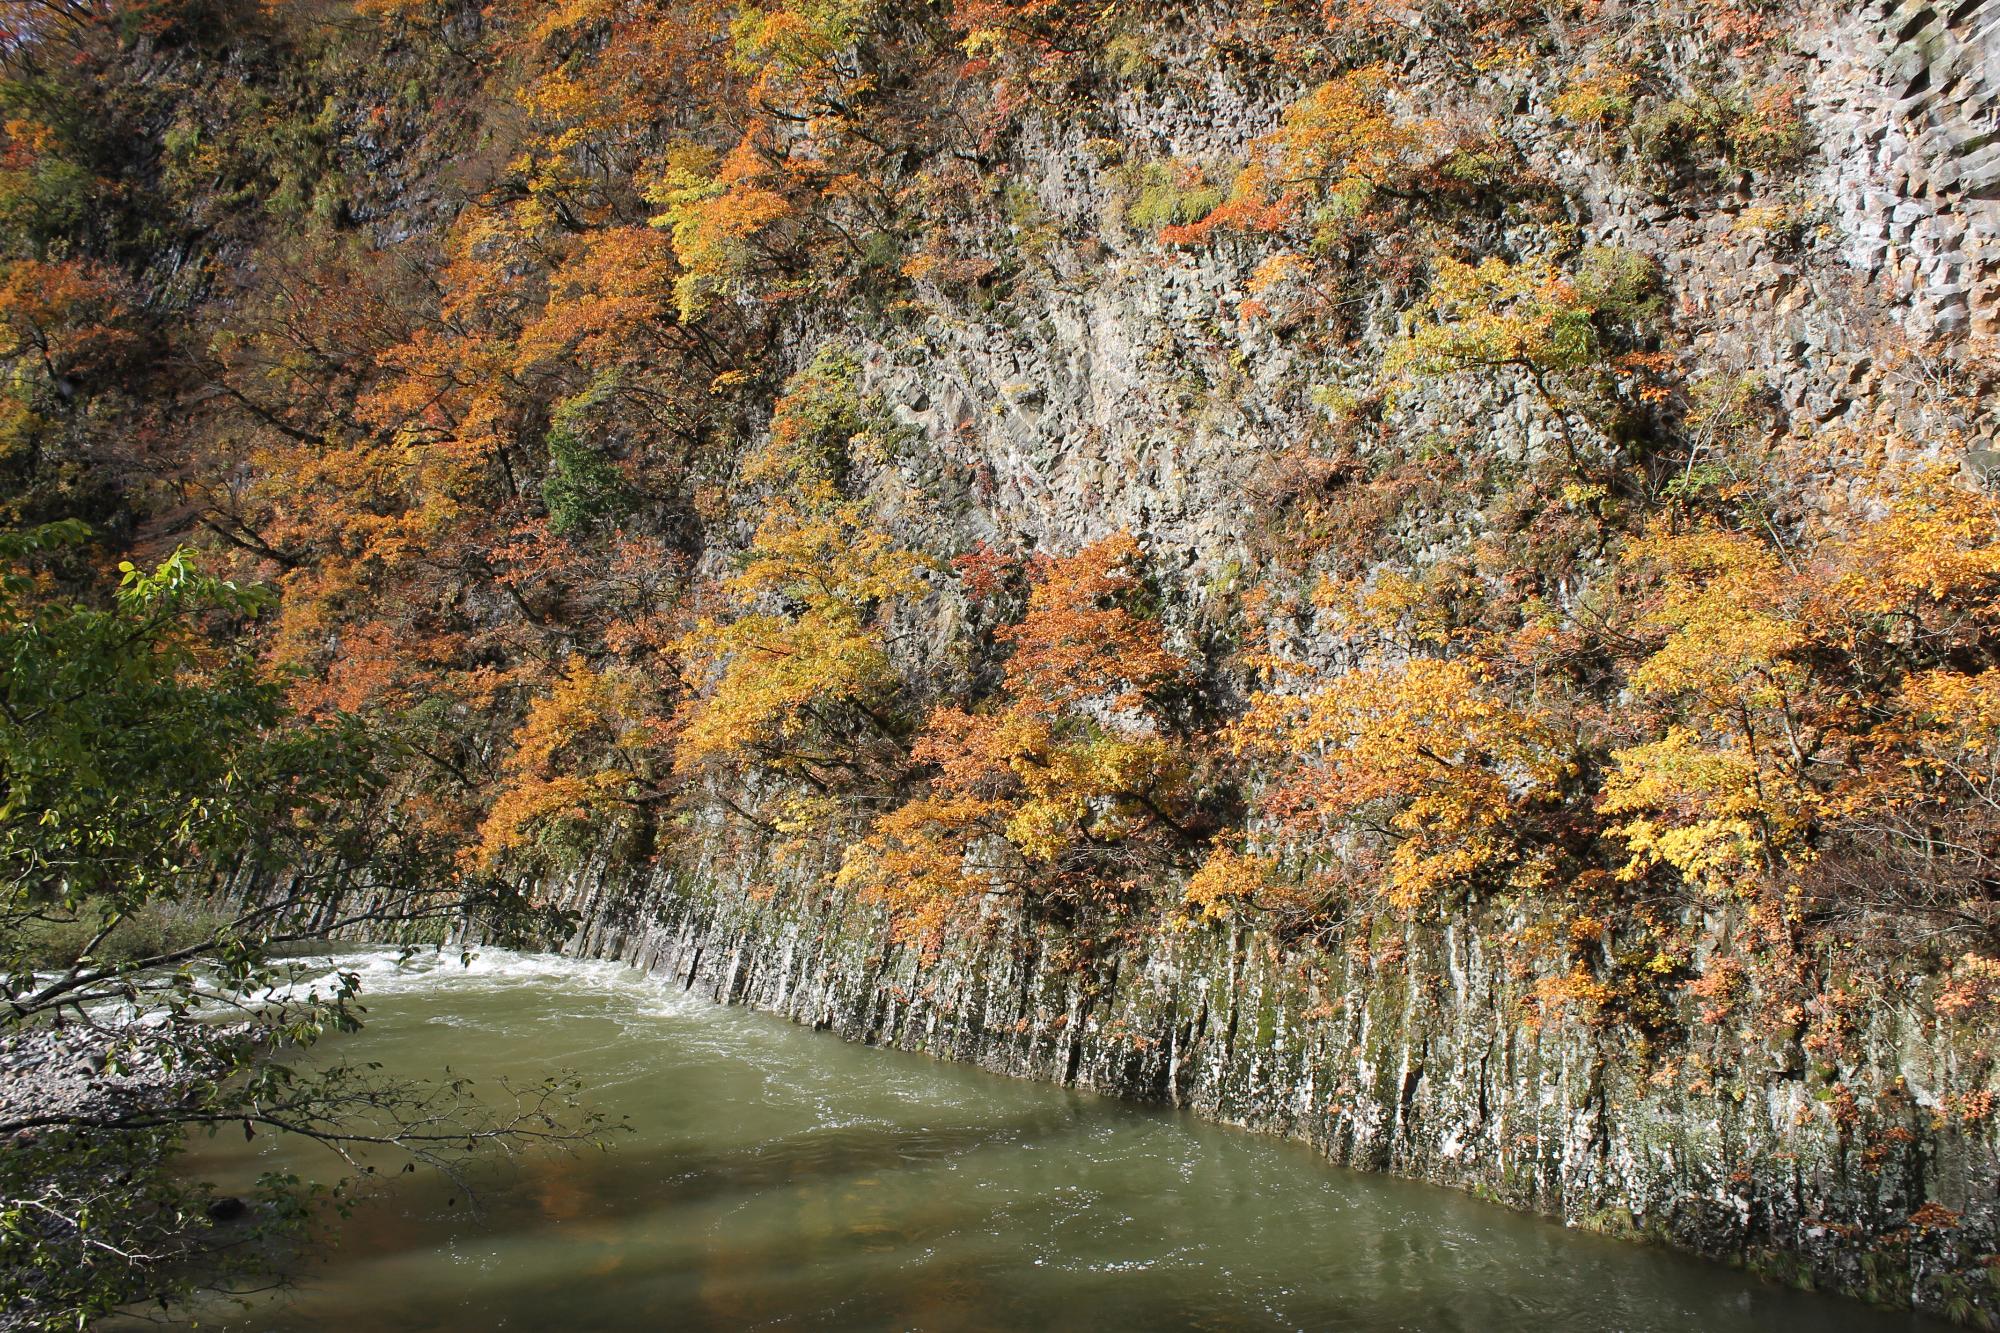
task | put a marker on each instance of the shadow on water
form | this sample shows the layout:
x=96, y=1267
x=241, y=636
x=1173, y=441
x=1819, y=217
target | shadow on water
x=628, y=1182
x=782, y=1179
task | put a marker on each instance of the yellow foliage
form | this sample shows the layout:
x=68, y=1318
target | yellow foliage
x=1101, y=784
x=818, y=424
x=602, y=301
x=1956, y=716
x=1343, y=140
x=1337, y=147
x=1577, y=992
x=796, y=45
x=1496, y=314
x=918, y=860
x=799, y=636
x=1277, y=269
x=1727, y=638
x=1425, y=747
x=1600, y=97
x=1227, y=879
x=1395, y=607
x=1799, y=708
x=1939, y=544
x=1709, y=811
x=714, y=213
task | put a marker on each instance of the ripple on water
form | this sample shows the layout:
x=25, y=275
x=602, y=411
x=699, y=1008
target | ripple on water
x=394, y=972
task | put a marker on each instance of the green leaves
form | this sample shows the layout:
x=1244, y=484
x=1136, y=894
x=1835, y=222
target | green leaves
x=167, y=826
x=128, y=743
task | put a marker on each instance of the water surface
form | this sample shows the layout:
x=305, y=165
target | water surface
x=783, y=1179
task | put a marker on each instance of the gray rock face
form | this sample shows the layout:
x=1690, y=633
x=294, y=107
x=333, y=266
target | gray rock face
x=75, y=1076
x=1120, y=386
x=1909, y=110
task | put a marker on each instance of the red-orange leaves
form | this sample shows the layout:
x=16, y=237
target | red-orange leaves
x=69, y=319
x=1081, y=642
x=67, y=335
x=1069, y=785
x=981, y=571
x=605, y=301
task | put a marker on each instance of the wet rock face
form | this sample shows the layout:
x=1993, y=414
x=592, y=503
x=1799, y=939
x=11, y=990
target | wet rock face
x=1417, y=1063
x=1119, y=391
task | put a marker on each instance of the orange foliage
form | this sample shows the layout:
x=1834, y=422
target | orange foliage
x=1787, y=712
x=715, y=213
x=1081, y=644
x=1338, y=146
x=1057, y=791
x=604, y=300
x=71, y=318
x=586, y=712
x=1425, y=755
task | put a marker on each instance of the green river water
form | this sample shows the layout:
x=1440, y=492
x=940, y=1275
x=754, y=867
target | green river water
x=782, y=1179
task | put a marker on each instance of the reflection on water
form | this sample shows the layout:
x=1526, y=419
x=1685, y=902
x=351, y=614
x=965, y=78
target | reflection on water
x=783, y=1179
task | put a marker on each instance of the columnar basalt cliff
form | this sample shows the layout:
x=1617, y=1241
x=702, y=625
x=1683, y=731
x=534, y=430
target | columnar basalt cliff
x=1393, y=1050
x=1911, y=109
x=1119, y=388
x=1422, y=576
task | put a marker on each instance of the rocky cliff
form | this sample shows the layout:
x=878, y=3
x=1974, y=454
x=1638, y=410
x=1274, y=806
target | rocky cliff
x=1421, y=575
x=1113, y=383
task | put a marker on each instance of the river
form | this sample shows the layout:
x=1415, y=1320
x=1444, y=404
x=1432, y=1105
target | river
x=780, y=1178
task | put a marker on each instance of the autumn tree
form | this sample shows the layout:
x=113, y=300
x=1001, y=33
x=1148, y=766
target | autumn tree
x=1423, y=773
x=790, y=673
x=793, y=689
x=1038, y=52
x=1824, y=707
x=717, y=214
x=588, y=751
x=69, y=332
x=1070, y=788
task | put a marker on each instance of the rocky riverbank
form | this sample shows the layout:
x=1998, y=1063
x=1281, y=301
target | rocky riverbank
x=67, y=1076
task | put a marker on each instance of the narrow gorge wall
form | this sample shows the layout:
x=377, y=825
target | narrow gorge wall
x=1401, y=1052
